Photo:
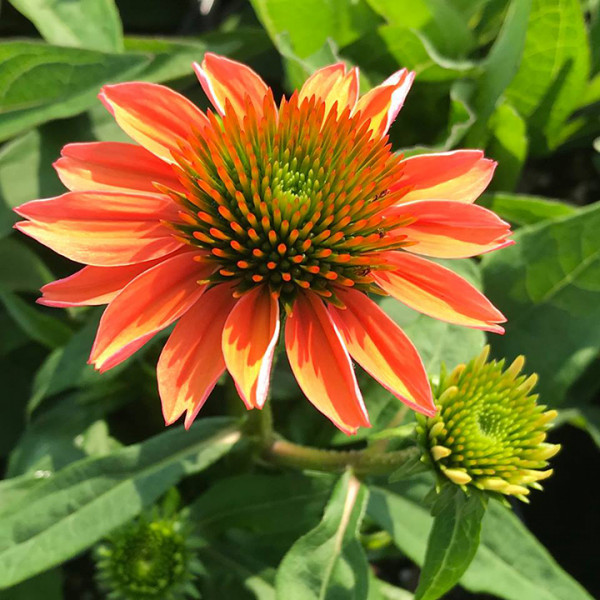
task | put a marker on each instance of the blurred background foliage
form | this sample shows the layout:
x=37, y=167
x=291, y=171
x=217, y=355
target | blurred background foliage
x=84, y=453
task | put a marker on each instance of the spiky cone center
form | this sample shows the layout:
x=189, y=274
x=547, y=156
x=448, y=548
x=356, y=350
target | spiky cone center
x=293, y=198
x=489, y=431
x=146, y=560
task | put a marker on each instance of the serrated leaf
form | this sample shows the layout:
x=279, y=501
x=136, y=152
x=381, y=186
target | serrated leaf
x=452, y=544
x=509, y=563
x=328, y=562
x=72, y=509
x=548, y=286
x=91, y=24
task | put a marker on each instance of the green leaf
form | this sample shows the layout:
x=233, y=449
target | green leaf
x=499, y=68
x=438, y=20
x=73, y=509
x=385, y=50
x=586, y=418
x=452, y=543
x=548, y=286
x=509, y=563
x=554, y=69
x=265, y=506
x=329, y=562
x=439, y=342
x=92, y=24
x=311, y=22
x=37, y=325
x=40, y=82
x=47, y=586
x=22, y=269
x=521, y=209
x=508, y=145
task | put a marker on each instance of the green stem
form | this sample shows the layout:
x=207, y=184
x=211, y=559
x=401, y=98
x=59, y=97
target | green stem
x=362, y=462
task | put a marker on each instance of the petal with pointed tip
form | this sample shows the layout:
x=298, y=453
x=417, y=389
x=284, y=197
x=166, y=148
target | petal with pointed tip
x=437, y=292
x=447, y=229
x=321, y=365
x=249, y=339
x=113, y=166
x=332, y=84
x=151, y=302
x=191, y=362
x=382, y=349
x=103, y=229
x=461, y=175
x=153, y=115
x=382, y=104
x=91, y=286
x=224, y=79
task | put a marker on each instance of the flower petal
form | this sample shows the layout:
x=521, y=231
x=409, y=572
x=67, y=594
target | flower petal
x=113, y=166
x=154, y=116
x=461, y=175
x=249, y=339
x=102, y=228
x=437, y=292
x=91, y=286
x=151, y=302
x=191, y=361
x=383, y=103
x=377, y=344
x=321, y=364
x=332, y=84
x=224, y=79
x=447, y=229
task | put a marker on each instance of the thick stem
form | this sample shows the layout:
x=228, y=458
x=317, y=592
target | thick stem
x=362, y=462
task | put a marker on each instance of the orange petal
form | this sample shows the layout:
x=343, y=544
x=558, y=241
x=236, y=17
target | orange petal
x=332, y=84
x=461, y=175
x=437, y=292
x=191, y=361
x=249, y=339
x=224, y=79
x=104, y=229
x=447, y=229
x=113, y=166
x=377, y=344
x=153, y=115
x=151, y=302
x=321, y=364
x=92, y=285
x=383, y=103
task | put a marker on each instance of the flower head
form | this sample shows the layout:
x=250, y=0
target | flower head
x=149, y=558
x=489, y=432
x=262, y=213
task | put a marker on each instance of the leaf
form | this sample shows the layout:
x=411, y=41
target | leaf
x=452, y=543
x=499, y=68
x=508, y=145
x=70, y=511
x=521, y=209
x=586, y=418
x=40, y=82
x=48, y=586
x=439, y=342
x=390, y=47
x=311, y=22
x=438, y=20
x=509, y=563
x=554, y=69
x=329, y=562
x=22, y=269
x=265, y=506
x=92, y=24
x=37, y=325
x=548, y=286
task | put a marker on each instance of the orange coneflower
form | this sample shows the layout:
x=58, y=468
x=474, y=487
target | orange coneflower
x=231, y=221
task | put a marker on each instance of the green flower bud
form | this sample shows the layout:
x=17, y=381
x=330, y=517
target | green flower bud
x=489, y=431
x=151, y=558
